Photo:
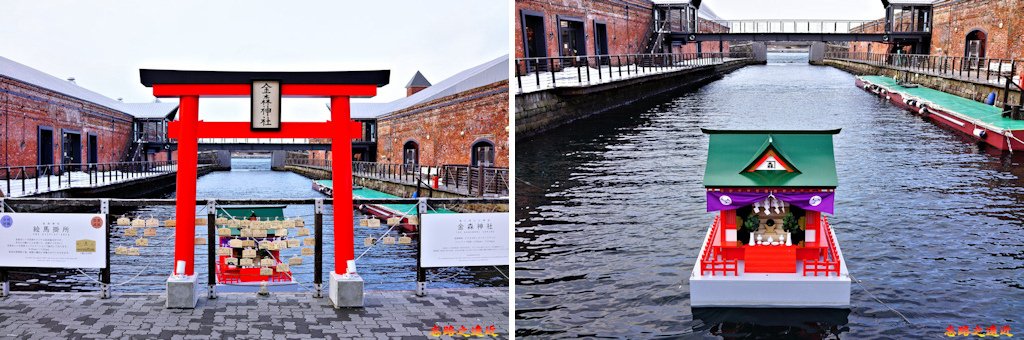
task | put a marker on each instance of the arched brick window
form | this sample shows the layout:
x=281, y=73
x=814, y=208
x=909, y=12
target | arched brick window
x=483, y=153
x=411, y=153
x=974, y=47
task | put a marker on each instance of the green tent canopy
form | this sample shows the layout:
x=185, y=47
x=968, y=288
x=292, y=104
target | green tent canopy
x=805, y=157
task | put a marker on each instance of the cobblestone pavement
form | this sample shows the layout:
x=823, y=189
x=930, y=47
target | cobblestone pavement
x=387, y=314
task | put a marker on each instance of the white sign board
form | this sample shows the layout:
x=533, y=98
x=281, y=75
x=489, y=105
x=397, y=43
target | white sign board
x=53, y=240
x=460, y=240
x=266, y=105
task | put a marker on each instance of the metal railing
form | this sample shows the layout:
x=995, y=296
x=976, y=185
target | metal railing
x=993, y=71
x=60, y=176
x=106, y=205
x=533, y=74
x=463, y=179
x=828, y=258
x=712, y=259
x=791, y=25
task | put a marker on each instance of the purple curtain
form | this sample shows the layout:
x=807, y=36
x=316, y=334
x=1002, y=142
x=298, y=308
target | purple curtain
x=815, y=201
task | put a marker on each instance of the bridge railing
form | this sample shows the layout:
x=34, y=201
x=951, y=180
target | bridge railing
x=984, y=70
x=21, y=180
x=534, y=74
x=791, y=26
x=464, y=179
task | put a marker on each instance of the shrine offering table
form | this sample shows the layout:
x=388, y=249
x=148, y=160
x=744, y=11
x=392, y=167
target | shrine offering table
x=770, y=259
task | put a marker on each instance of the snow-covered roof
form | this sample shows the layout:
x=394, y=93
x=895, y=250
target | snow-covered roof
x=152, y=110
x=886, y=3
x=487, y=73
x=23, y=73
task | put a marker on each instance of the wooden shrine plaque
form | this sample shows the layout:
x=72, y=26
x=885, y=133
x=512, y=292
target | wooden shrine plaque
x=266, y=105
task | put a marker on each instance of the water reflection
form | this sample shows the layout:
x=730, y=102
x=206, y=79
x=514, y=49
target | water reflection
x=789, y=323
x=610, y=212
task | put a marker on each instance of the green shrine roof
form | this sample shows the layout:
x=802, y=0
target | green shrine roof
x=764, y=158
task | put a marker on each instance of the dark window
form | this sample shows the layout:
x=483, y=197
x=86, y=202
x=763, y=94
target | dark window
x=975, y=47
x=483, y=154
x=44, y=145
x=411, y=153
x=600, y=38
x=533, y=35
x=572, y=42
x=71, y=148
x=94, y=147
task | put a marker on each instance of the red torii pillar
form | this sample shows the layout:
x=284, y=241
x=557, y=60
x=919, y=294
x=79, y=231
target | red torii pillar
x=188, y=86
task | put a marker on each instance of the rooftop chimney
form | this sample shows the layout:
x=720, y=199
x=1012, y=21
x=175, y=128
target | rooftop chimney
x=416, y=84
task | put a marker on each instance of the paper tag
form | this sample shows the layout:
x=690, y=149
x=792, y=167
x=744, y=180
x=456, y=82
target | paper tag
x=142, y=242
x=85, y=246
x=404, y=240
x=389, y=240
x=149, y=232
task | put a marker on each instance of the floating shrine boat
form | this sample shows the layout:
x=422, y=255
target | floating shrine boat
x=984, y=123
x=245, y=231
x=381, y=211
x=770, y=245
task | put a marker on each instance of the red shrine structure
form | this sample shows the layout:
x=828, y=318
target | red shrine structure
x=190, y=86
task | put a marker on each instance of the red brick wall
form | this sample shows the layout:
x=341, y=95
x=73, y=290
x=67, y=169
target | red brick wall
x=1001, y=20
x=447, y=128
x=25, y=107
x=628, y=22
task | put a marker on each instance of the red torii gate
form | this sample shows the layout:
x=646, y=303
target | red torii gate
x=189, y=86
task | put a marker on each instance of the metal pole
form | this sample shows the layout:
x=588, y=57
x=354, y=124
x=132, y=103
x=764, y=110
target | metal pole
x=211, y=250
x=421, y=274
x=318, y=247
x=105, y=272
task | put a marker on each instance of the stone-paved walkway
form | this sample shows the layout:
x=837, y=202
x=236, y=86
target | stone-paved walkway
x=387, y=315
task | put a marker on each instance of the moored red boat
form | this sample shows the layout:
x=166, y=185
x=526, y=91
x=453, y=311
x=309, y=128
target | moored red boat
x=984, y=123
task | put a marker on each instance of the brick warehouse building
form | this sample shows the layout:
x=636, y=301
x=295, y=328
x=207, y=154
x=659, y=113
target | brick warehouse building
x=965, y=28
x=462, y=120
x=560, y=28
x=47, y=120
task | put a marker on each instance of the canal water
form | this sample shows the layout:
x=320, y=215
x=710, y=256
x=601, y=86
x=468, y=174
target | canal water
x=385, y=267
x=610, y=215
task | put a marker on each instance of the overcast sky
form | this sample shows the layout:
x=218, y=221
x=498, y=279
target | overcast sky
x=797, y=9
x=103, y=44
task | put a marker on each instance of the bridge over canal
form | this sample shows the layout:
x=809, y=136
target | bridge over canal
x=906, y=23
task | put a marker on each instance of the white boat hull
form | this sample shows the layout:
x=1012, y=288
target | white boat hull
x=770, y=290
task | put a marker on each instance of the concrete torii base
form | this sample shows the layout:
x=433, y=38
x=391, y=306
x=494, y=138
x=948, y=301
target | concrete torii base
x=346, y=290
x=182, y=292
